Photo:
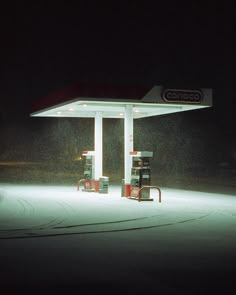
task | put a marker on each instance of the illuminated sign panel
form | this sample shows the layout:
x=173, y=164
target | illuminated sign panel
x=180, y=96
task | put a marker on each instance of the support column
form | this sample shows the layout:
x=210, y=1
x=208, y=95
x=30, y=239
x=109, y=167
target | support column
x=129, y=146
x=98, y=161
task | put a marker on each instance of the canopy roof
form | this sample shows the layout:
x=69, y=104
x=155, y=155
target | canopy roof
x=85, y=100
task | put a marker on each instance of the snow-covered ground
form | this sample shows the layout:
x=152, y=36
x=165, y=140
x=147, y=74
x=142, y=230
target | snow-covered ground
x=53, y=235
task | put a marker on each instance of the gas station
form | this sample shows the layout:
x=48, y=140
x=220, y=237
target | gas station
x=85, y=238
x=121, y=102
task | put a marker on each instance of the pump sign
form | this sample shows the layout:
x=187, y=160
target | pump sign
x=180, y=95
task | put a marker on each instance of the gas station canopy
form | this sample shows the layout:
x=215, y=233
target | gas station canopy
x=99, y=101
x=84, y=101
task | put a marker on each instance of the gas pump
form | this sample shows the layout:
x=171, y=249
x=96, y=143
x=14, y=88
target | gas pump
x=140, y=175
x=88, y=171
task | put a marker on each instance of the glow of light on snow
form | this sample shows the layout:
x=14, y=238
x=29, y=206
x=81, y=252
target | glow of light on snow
x=49, y=210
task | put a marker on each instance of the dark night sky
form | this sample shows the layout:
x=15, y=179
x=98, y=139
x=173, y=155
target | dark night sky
x=47, y=46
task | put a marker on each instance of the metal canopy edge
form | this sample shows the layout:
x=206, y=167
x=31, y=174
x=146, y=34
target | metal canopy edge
x=153, y=103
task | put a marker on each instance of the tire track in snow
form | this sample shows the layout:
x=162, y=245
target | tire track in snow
x=35, y=235
x=50, y=224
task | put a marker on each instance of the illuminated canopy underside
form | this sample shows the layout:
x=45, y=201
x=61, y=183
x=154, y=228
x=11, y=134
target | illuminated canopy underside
x=146, y=104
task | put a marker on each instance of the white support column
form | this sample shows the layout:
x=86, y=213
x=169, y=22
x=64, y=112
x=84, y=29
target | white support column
x=129, y=146
x=98, y=142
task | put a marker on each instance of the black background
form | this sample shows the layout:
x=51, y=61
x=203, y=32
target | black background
x=48, y=45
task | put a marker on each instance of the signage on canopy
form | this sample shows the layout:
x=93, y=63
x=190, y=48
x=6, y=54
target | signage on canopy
x=181, y=96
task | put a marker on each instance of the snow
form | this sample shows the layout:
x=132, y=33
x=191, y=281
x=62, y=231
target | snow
x=52, y=235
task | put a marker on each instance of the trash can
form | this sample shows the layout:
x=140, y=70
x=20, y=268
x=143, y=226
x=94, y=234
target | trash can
x=103, y=185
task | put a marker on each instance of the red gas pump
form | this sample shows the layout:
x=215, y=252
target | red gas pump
x=141, y=176
x=88, y=180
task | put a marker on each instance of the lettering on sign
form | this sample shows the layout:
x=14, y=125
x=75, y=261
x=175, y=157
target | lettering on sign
x=180, y=95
